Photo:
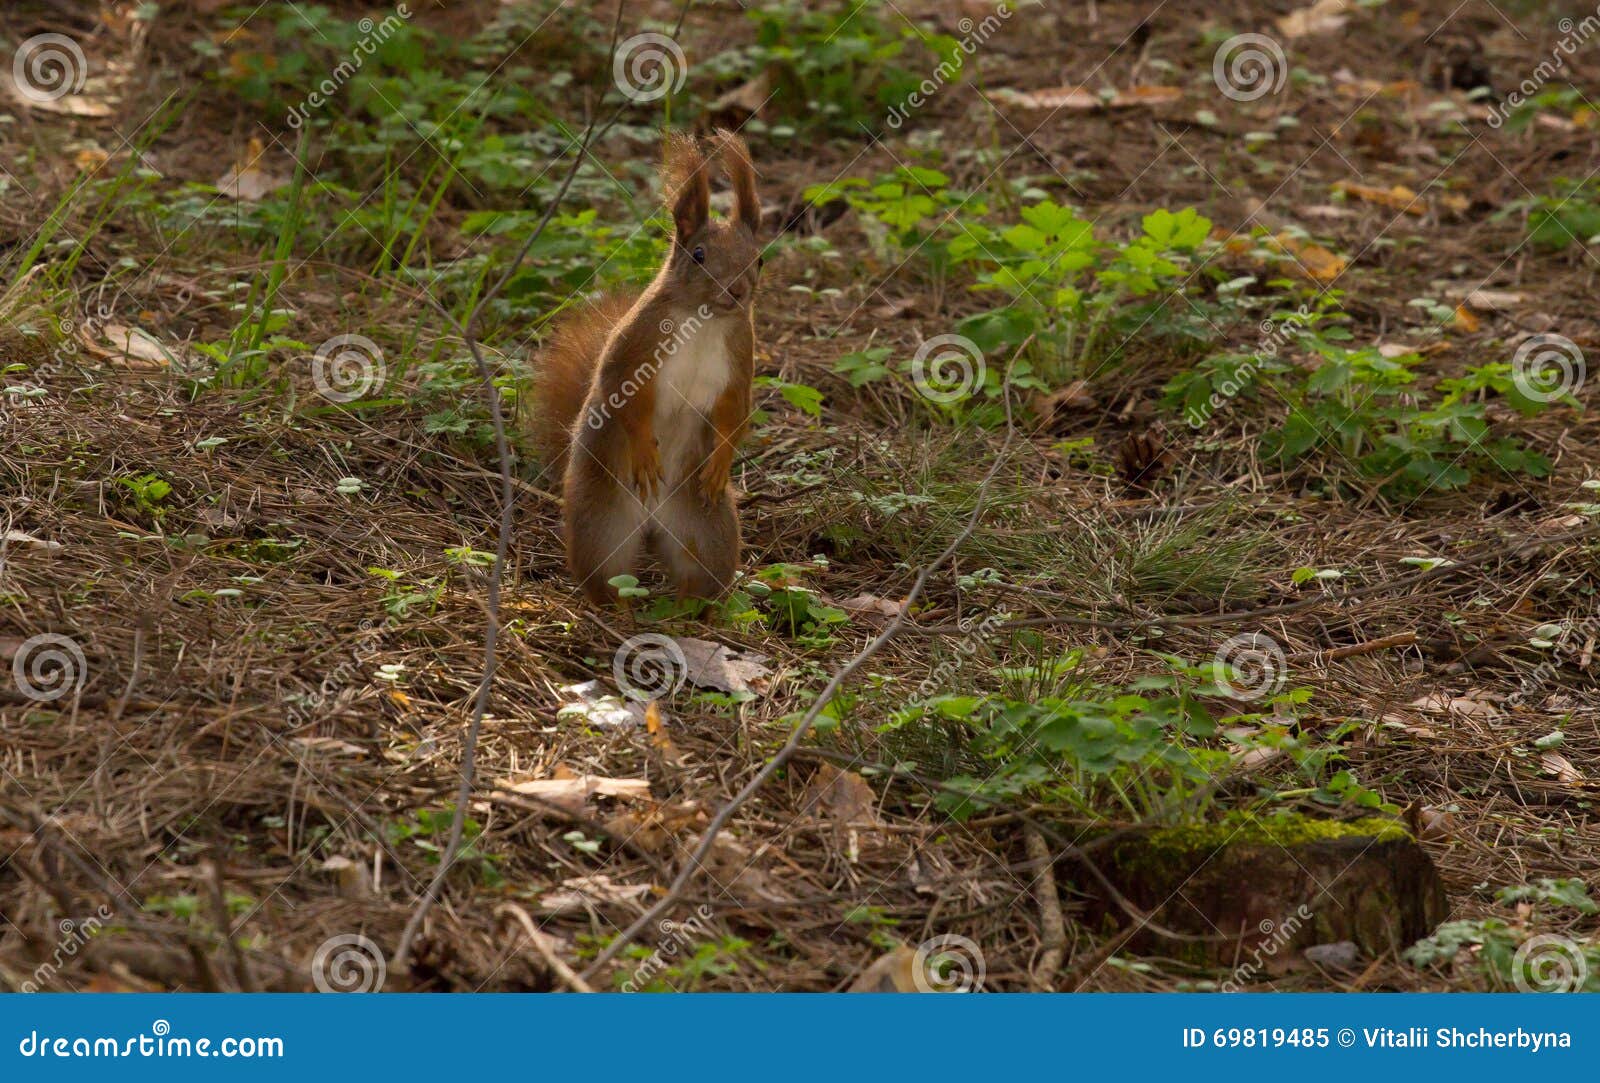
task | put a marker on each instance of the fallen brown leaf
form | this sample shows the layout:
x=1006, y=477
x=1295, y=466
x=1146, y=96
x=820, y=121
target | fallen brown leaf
x=1322, y=17
x=1554, y=763
x=249, y=180
x=871, y=609
x=1398, y=197
x=720, y=667
x=1073, y=400
x=580, y=893
x=574, y=793
x=1078, y=99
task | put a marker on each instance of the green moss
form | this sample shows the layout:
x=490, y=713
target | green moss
x=1167, y=846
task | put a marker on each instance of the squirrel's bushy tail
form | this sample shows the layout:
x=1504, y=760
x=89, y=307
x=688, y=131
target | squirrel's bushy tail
x=562, y=376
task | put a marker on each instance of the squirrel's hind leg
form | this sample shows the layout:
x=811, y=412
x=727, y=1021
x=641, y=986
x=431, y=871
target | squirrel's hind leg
x=604, y=535
x=698, y=545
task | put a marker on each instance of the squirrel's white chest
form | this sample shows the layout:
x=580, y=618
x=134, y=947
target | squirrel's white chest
x=696, y=365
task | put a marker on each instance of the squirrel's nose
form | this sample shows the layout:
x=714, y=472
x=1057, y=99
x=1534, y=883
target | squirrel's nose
x=739, y=291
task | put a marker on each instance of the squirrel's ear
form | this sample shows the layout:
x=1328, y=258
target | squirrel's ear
x=736, y=160
x=686, y=184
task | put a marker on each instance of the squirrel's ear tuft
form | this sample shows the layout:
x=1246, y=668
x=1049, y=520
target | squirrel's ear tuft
x=735, y=157
x=686, y=183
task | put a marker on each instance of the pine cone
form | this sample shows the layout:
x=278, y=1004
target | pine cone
x=1142, y=459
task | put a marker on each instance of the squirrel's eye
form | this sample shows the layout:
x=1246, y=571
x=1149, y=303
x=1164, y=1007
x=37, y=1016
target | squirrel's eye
x=699, y=254
x=761, y=261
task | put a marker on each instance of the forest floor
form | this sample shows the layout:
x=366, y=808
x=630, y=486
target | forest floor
x=247, y=620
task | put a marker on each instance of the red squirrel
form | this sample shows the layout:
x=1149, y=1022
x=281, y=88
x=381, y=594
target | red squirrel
x=641, y=399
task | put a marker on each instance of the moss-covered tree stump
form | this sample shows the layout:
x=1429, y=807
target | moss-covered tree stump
x=1270, y=887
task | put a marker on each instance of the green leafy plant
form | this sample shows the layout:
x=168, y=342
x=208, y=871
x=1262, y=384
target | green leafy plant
x=777, y=597
x=1216, y=380
x=147, y=491
x=1573, y=894
x=1152, y=750
x=1077, y=294
x=714, y=960
x=1491, y=947
x=1570, y=216
x=838, y=66
x=910, y=209
x=400, y=598
x=1364, y=405
x=429, y=829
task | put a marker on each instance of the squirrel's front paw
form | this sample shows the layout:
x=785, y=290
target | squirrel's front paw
x=712, y=482
x=644, y=468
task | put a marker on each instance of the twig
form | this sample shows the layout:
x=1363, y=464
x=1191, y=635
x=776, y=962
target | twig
x=1313, y=658
x=219, y=914
x=541, y=944
x=1052, y=927
x=773, y=766
x=121, y=704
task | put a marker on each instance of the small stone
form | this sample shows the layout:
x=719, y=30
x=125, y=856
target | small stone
x=1343, y=955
